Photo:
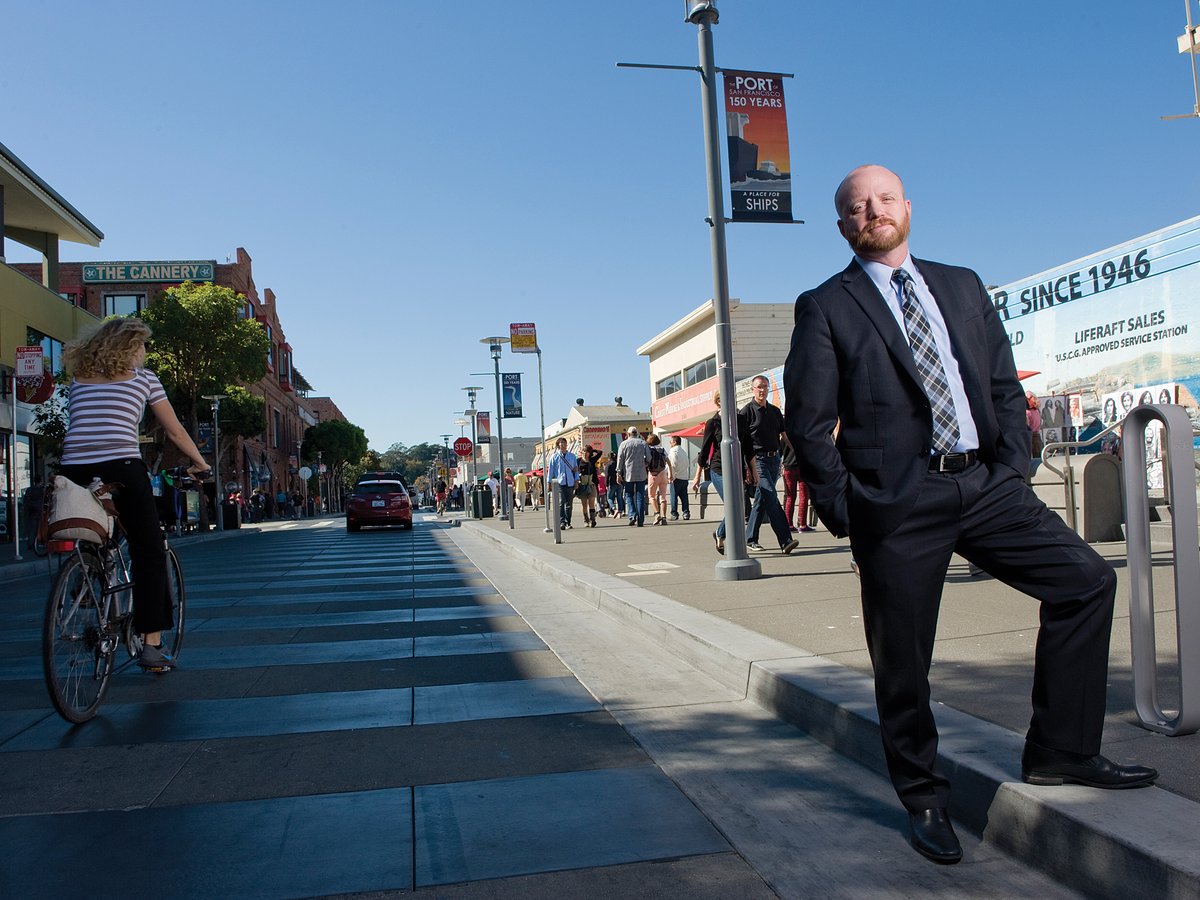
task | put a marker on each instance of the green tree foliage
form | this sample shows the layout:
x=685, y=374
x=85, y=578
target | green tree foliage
x=202, y=343
x=340, y=444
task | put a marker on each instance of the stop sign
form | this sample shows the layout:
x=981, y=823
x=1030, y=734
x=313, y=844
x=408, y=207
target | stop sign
x=463, y=446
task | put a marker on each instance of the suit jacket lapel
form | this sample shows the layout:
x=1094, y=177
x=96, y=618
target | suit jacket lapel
x=944, y=294
x=863, y=290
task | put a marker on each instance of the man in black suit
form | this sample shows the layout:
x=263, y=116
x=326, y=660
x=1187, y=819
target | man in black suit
x=908, y=362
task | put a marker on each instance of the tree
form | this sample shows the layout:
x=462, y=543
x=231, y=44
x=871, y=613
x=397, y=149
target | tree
x=202, y=344
x=339, y=443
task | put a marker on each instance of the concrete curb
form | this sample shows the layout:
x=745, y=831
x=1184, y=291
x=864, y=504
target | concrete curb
x=1104, y=843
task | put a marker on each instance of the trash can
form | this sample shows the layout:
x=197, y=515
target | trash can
x=229, y=516
x=481, y=503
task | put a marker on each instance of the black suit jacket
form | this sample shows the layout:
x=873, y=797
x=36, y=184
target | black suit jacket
x=850, y=368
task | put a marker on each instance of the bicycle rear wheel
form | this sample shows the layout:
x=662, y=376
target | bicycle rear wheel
x=77, y=651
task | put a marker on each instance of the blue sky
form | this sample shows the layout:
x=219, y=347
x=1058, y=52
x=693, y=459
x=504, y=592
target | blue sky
x=410, y=176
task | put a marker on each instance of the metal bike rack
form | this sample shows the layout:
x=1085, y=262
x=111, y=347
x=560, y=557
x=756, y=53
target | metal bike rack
x=1181, y=485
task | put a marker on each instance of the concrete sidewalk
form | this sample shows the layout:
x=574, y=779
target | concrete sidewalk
x=793, y=642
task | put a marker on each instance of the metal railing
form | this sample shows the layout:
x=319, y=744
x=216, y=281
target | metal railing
x=1067, y=473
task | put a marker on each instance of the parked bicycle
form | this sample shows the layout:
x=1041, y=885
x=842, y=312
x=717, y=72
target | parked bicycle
x=89, y=615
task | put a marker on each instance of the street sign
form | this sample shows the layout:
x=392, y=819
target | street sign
x=305, y=473
x=29, y=362
x=523, y=337
x=463, y=446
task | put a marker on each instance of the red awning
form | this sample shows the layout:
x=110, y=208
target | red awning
x=694, y=431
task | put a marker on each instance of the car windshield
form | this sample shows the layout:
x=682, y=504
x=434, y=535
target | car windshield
x=380, y=487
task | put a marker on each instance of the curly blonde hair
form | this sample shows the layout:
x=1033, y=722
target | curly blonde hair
x=108, y=351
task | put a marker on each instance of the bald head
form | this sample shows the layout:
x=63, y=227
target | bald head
x=843, y=189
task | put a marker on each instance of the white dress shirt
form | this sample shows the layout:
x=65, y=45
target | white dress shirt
x=881, y=275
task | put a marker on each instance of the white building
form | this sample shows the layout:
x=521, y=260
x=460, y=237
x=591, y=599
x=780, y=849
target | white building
x=683, y=360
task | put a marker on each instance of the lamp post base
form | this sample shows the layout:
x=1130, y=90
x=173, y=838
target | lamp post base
x=738, y=570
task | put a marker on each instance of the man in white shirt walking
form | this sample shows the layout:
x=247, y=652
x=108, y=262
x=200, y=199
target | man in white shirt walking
x=681, y=471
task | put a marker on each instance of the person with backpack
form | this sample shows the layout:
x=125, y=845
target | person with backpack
x=632, y=457
x=658, y=469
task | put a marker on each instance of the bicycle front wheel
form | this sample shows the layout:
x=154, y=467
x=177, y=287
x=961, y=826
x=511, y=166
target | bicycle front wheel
x=77, y=650
x=173, y=639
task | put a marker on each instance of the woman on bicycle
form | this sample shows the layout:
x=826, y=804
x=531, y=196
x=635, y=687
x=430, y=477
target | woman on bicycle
x=108, y=396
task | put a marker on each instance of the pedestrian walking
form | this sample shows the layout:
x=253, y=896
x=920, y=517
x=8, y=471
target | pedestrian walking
x=616, y=494
x=585, y=488
x=681, y=471
x=765, y=422
x=709, y=465
x=521, y=486
x=563, y=469
x=795, y=491
x=931, y=458
x=632, y=457
x=658, y=478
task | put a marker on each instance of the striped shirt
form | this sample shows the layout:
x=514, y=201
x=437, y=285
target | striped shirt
x=105, y=417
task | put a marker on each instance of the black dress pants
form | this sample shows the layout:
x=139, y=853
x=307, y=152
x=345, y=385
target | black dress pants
x=989, y=515
x=138, y=512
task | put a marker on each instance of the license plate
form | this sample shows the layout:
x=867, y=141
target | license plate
x=379, y=503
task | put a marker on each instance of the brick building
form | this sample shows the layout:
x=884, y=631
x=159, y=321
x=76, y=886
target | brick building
x=267, y=461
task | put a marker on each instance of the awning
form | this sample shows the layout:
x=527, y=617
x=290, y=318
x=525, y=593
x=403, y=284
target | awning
x=694, y=431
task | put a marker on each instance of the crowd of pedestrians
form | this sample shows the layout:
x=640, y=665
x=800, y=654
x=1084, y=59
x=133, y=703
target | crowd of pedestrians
x=644, y=479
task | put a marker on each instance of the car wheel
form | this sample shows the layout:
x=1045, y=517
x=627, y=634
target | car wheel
x=406, y=526
x=351, y=526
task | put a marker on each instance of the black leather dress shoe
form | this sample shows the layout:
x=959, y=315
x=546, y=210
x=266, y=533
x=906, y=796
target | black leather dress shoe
x=1042, y=766
x=933, y=836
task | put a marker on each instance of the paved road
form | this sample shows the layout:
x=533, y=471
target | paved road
x=368, y=714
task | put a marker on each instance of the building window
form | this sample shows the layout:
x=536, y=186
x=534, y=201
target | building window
x=277, y=429
x=270, y=347
x=702, y=370
x=70, y=297
x=123, y=304
x=668, y=385
x=51, y=349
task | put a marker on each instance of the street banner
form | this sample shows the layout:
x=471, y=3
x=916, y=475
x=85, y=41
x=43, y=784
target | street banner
x=510, y=390
x=523, y=337
x=760, y=169
x=483, y=427
x=1117, y=327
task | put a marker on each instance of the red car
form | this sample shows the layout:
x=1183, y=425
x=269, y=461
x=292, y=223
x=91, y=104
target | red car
x=378, y=502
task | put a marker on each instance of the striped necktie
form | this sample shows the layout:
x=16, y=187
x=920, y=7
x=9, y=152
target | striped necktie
x=929, y=365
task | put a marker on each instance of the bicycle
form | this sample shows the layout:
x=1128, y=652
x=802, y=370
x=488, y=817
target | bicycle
x=89, y=613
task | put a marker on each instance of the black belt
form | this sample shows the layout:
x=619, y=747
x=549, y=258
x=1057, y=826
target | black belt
x=768, y=453
x=952, y=462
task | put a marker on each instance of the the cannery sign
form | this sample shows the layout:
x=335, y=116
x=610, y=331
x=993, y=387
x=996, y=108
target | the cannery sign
x=131, y=272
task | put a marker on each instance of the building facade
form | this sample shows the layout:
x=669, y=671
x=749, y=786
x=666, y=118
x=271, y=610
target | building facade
x=32, y=313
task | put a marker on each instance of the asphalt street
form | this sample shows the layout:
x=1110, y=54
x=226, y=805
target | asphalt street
x=368, y=715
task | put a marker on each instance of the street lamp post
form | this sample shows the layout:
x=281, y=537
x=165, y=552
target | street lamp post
x=472, y=393
x=736, y=565
x=496, y=346
x=216, y=402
